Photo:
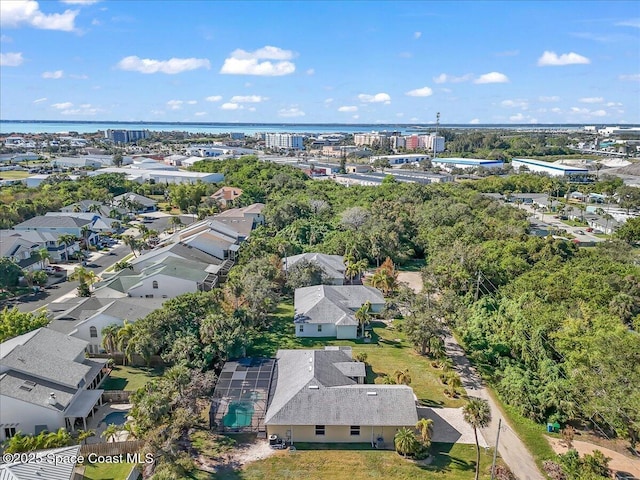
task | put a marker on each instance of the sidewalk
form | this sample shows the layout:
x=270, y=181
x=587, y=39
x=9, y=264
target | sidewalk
x=511, y=448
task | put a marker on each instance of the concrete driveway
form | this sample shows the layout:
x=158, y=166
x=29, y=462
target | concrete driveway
x=449, y=426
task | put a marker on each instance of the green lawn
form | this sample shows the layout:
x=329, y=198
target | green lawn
x=14, y=174
x=107, y=471
x=387, y=352
x=452, y=462
x=130, y=378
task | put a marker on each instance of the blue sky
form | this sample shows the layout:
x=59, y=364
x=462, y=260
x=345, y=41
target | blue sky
x=317, y=62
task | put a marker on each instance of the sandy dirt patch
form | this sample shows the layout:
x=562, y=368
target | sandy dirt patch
x=618, y=463
x=412, y=279
x=242, y=454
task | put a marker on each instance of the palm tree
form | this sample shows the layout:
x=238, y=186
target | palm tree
x=383, y=280
x=477, y=414
x=67, y=240
x=94, y=208
x=131, y=242
x=109, y=337
x=122, y=265
x=355, y=269
x=405, y=442
x=110, y=432
x=123, y=338
x=85, y=236
x=363, y=316
x=402, y=376
x=175, y=222
x=84, y=434
x=425, y=427
x=454, y=383
x=83, y=275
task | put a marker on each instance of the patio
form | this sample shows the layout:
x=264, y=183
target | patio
x=97, y=424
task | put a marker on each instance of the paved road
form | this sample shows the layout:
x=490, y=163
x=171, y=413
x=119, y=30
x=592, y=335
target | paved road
x=33, y=302
x=549, y=219
x=511, y=448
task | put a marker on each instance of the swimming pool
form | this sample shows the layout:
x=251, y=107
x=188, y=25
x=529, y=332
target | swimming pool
x=239, y=415
x=116, y=418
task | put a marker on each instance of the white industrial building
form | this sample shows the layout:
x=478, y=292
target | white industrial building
x=163, y=176
x=401, y=159
x=552, y=169
x=285, y=141
x=466, y=163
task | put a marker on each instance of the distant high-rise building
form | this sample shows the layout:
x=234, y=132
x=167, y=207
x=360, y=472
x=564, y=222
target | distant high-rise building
x=286, y=141
x=126, y=136
x=372, y=138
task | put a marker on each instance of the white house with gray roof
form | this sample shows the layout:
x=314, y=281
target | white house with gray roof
x=332, y=265
x=49, y=464
x=318, y=397
x=47, y=383
x=329, y=310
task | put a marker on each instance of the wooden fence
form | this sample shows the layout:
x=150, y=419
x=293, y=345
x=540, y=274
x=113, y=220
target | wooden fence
x=112, y=448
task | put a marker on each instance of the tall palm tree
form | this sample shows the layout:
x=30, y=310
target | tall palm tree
x=43, y=256
x=94, y=208
x=85, y=230
x=109, y=337
x=405, y=442
x=84, y=434
x=67, y=240
x=363, y=316
x=425, y=427
x=123, y=337
x=131, y=242
x=477, y=414
x=355, y=269
x=175, y=222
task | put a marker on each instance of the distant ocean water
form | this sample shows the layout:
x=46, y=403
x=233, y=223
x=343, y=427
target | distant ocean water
x=30, y=126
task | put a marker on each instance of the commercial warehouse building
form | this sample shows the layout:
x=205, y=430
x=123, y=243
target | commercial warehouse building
x=465, y=163
x=553, y=169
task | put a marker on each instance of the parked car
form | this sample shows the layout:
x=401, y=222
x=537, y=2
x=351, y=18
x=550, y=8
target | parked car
x=580, y=232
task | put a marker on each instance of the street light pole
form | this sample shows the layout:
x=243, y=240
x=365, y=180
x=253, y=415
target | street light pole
x=495, y=451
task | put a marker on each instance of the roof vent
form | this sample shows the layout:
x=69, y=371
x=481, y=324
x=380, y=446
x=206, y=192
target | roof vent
x=314, y=387
x=372, y=394
x=52, y=399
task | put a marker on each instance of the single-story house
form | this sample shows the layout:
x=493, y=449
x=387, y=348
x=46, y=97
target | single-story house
x=128, y=200
x=332, y=265
x=318, y=397
x=329, y=311
x=226, y=195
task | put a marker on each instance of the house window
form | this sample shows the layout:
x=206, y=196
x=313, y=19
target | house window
x=155, y=284
x=148, y=296
x=354, y=430
x=9, y=432
x=301, y=328
x=319, y=430
x=319, y=328
x=93, y=332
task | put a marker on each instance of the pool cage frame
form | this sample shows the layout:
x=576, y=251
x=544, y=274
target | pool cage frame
x=246, y=381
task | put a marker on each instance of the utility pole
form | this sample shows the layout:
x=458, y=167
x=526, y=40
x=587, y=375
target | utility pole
x=495, y=451
x=435, y=139
x=478, y=286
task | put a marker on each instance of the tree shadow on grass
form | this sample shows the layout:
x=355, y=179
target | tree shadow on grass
x=372, y=375
x=430, y=402
x=443, y=460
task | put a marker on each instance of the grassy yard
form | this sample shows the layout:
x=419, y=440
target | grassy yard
x=107, y=471
x=340, y=462
x=14, y=174
x=130, y=378
x=388, y=351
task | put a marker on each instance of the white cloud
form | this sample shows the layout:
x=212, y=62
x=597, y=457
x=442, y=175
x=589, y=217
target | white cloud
x=291, y=112
x=634, y=77
x=420, y=92
x=348, y=108
x=632, y=22
x=171, y=66
x=474, y=121
x=214, y=98
x=54, y=75
x=553, y=98
x=311, y=71
x=599, y=113
x=492, y=77
x=5, y=38
x=247, y=99
x=591, y=100
x=444, y=78
x=585, y=112
x=175, y=104
x=417, y=35
x=518, y=103
x=63, y=105
x=355, y=117
x=556, y=110
x=192, y=102
x=86, y=109
x=520, y=118
x=27, y=12
x=552, y=59
x=242, y=62
x=200, y=114
x=230, y=106
x=40, y=100
x=327, y=101
x=377, y=98
x=11, y=59
x=613, y=104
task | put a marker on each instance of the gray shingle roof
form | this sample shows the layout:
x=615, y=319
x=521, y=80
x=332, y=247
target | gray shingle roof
x=333, y=265
x=37, y=392
x=333, y=303
x=53, y=221
x=142, y=200
x=333, y=399
x=42, y=470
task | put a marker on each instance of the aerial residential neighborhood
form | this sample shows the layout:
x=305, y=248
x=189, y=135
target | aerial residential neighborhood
x=324, y=240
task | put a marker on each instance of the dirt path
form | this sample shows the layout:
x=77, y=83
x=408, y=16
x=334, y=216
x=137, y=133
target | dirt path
x=511, y=448
x=413, y=279
x=618, y=463
x=236, y=458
